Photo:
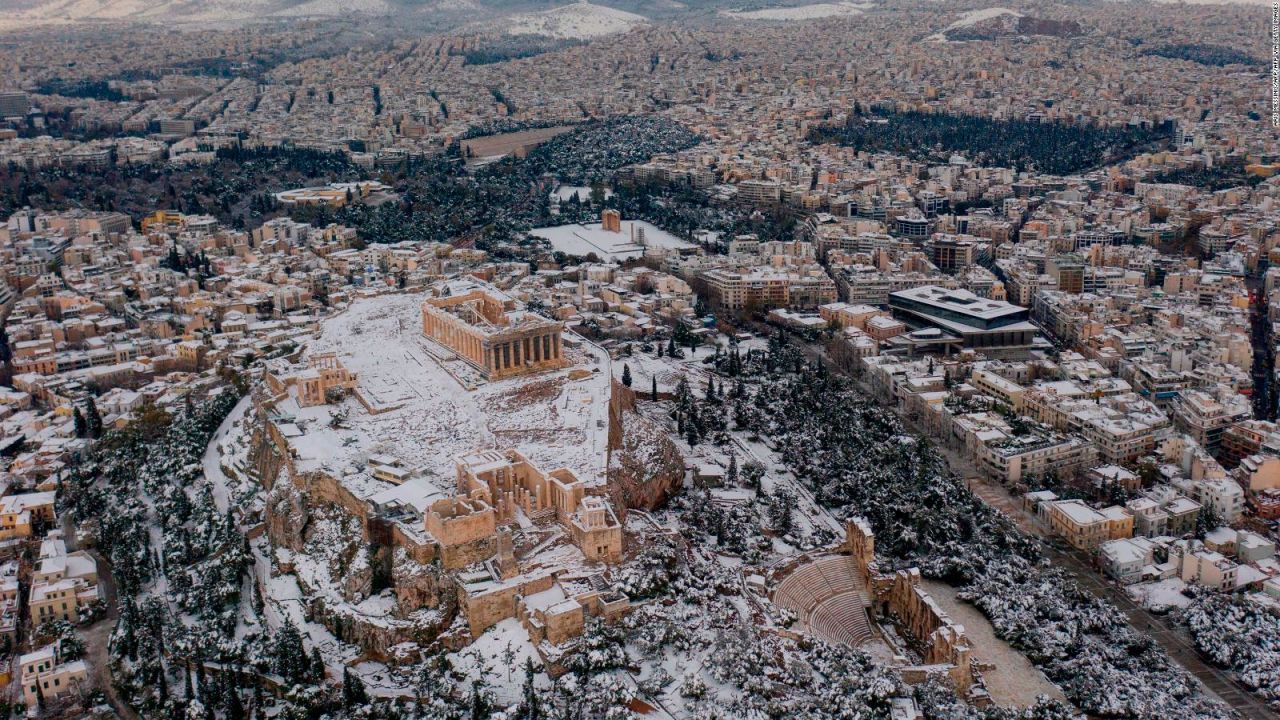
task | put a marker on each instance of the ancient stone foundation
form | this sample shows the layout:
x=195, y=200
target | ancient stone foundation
x=897, y=596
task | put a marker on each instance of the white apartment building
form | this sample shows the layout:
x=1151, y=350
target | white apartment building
x=1010, y=459
x=1124, y=558
x=1205, y=416
x=1224, y=496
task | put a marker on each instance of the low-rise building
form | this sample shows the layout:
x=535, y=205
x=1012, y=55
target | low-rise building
x=45, y=677
x=1085, y=528
x=1125, y=558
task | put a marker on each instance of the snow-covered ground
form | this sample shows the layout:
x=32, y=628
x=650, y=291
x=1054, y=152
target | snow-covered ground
x=327, y=8
x=220, y=452
x=802, y=12
x=563, y=193
x=668, y=370
x=498, y=657
x=554, y=420
x=971, y=18
x=581, y=20
x=583, y=240
x=1161, y=594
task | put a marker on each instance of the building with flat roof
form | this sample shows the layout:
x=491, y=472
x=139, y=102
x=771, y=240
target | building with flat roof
x=762, y=287
x=1125, y=558
x=980, y=322
x=14, y=104
x=45, y=677
x=1205, y=416
x=1085, y=528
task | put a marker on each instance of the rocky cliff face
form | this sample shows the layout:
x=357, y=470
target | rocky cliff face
x=365, y=593
x=265, y=459
x=286, y=514
x=420, y=586
x=389, y=640
x=647, y=469
x=339, y=572
x=338, y=554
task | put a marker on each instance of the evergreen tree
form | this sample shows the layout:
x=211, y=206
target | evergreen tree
x=752, y=475
x=93, y=420
x=530, y=708
x=654, y=391
x=235, y=708
x=317, y=665
x=174, y=261
x=480, y=706
x=1207, y=521
x=289, y=660
x=82, y=427
x=626, y=375
x=691, y=433
x=353, y=692
x=682, y=393
x=782, y=511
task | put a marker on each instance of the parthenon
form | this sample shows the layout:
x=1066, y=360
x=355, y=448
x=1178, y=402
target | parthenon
x=492, y=331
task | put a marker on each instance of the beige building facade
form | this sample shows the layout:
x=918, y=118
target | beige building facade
x=493, y=333
x=44, y=678
x=507, y=481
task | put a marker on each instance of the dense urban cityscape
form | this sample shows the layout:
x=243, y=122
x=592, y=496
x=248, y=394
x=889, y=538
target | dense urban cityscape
x=452, y=359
